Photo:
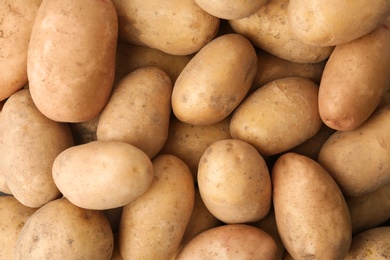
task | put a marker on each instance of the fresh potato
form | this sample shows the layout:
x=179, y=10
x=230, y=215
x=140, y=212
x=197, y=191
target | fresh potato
x=359, y=160
x=153, y=225
x=29, y=143
x=175, y=27
x=71, y=58
x=215, y=81
x=355, y=79
x=61, y=230
x=233, y=241
x=231, y=9
x=269, y=29
x=138, y=111
x=17, y=18
x=102, y=175
x=330, y=23
x=278, y=116
x=311, y=214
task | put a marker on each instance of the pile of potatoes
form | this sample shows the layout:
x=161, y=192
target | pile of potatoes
x=194, y=129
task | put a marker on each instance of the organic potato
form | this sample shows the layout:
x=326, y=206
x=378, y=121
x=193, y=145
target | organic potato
x=61, y=230
x=87, y=174
x=17, y=18
x=278, y=116
x=138, y=111
x=215, y=81
x=29, y=143
x=311, y=213
x=231, y=9
x=71, y=58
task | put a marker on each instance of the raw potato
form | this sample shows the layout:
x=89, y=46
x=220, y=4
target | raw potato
x=61, y=230
x=231, y=9
x=311, y=213
x=233, y=241
x=215, y=81
x=278, y=116
x=234, y=182
x=359, y=160
x=71, y=58
x=269, y=29
x=330, y=23
x=17, y=19
x=29, y=143
x=138, y=111
x=178, y=27
x=102, y=174
x=153, y=225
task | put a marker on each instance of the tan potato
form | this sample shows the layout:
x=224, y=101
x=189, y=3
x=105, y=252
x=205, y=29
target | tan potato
x=175, y=27
x=330, y=23
x=61, y=230
x=311, y=214
x=215, y=81
x=359, y=160
x=355, y=79
x=233, y=241
x=153, y=225
x=29, y=143
x=269, y=29
x=71, y=58
x=138, y=111
x=231, y=9
x=234, y=182
x=278, y=116
x=17, y=18
x=87, y=174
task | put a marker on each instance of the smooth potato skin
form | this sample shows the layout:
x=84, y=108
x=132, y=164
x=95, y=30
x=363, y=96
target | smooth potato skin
x=232, y=9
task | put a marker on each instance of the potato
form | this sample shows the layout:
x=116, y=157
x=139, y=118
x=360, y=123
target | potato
x=175, y=27
x=355, y=79
x=269, y=29
x=61, y=230
x=371, y=244
x=215, y=81
x=13, y=216
x=86, y=174
x=311, y=214
x=138, y=111
x=231, y=9
x=233, y=241
x=71, y=58
x=278, y=116
x=359, y=160
x=234, y=182
x=153, y=225
x=330, y=23
x=29, y=143
x=17, y=19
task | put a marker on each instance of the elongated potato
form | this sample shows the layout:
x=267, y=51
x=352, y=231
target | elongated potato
x=312, y=216
x=232, y=9
x=71, y=58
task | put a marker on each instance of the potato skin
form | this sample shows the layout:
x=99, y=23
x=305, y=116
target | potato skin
x=312, y=216
x=71, y=67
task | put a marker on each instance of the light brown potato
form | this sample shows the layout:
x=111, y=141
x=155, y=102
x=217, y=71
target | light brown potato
x=234, y=182
x=153, y=225
x=215, y=81
x=175, y=27
x=71, y=58
x=61, y=230
x=278, y=116
x=269, y=29
x=13, y=216
x=29, y=143
x=233, y=241
x=330, y=23
x=17, y=19
x=138, y=111
x=102, y=174
x=311, y=214
x=231, y=9
x=355, y=79
x=359, y=160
